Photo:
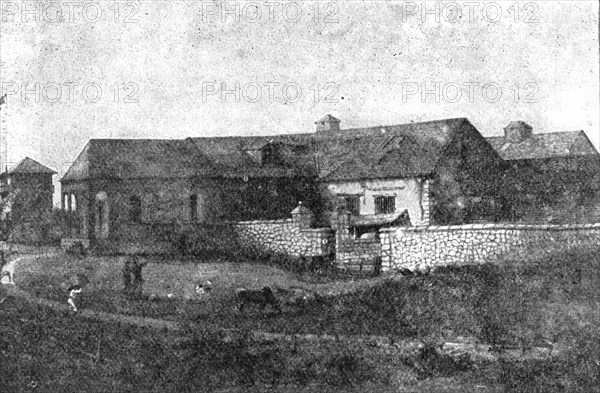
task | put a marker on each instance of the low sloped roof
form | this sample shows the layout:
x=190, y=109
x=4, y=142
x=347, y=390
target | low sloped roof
x=134, y=158
x=546, y=145
x=238, y=156
x=396, y=151
x=28, y=165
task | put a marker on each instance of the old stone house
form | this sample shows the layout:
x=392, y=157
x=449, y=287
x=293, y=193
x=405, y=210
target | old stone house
x=553, y=177
x=120, y=188
x=437, y=172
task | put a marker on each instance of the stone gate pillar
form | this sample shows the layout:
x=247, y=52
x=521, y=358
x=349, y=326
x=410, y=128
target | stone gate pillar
x=342, y=234
x=302, y=216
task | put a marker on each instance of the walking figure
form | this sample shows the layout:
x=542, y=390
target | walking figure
x=132, y=275
x=74, y=291
x=127, y=276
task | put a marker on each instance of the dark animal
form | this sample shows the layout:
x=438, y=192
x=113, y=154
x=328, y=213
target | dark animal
x=405, y=272
x=262, y=297
x=424, y=272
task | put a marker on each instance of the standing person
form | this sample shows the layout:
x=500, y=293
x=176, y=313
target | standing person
x=74, y=291
x=127, y=275
x=136, y=268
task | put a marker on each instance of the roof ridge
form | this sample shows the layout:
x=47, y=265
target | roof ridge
x=324, y=135
x=38, y=167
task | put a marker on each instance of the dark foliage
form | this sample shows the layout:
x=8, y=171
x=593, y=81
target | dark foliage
x=44, y=228
x=77, y=249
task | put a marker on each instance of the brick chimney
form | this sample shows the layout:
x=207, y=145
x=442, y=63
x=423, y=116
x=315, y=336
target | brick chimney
x=517, y=131
x=328, y=123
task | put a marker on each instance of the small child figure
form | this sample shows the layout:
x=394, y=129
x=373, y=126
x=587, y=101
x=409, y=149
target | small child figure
x=74, y=291
x=203, y=288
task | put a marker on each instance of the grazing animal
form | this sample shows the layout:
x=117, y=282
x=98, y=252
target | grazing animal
x=262, y=297
x=405, y=272
x=424, y=272
x=302, y=297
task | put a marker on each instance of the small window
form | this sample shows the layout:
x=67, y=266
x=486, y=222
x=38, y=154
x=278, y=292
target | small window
x=73, y=203
x=194, y=207
x=385, y=204
x=66, y=201
x=135, y=209
x=352, y=204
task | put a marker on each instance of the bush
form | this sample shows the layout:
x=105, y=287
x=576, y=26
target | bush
x=205, y=241
x=46, y=229
x=76, y=249
x=430, y=362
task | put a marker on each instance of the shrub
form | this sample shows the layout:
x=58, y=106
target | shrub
x=205, y=240
x=45, y=229
x=430, y=362
x=76, y=249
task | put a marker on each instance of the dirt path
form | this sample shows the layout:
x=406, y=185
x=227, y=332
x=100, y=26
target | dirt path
x=377, y=343
x=14, y=290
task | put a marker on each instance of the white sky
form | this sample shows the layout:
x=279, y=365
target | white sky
x=374, y=62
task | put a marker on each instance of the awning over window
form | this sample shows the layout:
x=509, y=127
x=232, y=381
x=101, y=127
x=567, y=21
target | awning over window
x=378, y=219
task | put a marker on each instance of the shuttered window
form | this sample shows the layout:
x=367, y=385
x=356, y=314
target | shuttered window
x=352, y=203
x=385, y=204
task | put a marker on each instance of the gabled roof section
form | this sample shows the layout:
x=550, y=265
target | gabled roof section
x=398, y=151
x=134, y=158
x=28, y=165
x=79, y=169
x=547, y=145
x=240, y=157
x=328, y=118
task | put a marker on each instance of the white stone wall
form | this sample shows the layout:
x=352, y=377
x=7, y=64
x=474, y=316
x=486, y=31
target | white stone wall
x=286, y=237
x=477, y=243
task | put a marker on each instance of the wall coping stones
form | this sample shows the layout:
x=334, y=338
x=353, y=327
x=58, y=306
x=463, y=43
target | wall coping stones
x=527, y=227
x=263, y=222
x=317, y=230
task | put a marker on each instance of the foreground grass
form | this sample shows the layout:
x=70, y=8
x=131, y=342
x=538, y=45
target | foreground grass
x=46, y=351
x=554, y=302
x=507, y=305
x=172, y=282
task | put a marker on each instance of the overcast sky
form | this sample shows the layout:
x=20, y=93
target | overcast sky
x=157, y=69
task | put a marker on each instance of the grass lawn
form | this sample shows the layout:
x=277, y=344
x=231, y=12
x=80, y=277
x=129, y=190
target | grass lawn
x=497, y=304
x=555, y=301
x=173, y=282
x=42, y=350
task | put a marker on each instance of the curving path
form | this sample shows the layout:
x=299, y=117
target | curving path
x=16, y=291
x=378, y=343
